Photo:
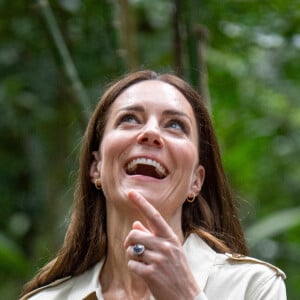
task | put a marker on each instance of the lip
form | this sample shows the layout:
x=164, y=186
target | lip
x=146, y=157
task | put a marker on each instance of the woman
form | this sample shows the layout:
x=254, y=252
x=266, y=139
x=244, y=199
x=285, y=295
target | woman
x=154, y=215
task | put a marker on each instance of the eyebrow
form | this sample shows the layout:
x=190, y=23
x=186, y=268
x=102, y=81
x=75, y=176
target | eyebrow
x=171, y=112
x=168, y=112
x=133, y=108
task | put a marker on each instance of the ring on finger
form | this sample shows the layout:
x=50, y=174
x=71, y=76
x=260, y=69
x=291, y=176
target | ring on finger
x=138, y=249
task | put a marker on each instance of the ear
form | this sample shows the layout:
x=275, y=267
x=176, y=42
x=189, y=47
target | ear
x=95, y=168
x=198, y=180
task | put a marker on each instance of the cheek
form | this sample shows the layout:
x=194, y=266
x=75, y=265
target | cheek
x=110, y=144
x=113, y=148
x=187, y=155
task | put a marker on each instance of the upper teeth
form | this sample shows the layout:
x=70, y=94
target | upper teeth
x=147, y=161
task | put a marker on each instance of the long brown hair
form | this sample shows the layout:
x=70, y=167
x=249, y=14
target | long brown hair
x=212, y=215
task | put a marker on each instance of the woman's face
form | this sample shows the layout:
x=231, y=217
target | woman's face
x=150, y=144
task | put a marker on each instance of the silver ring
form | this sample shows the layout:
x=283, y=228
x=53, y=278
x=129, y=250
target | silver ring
x=138, y=249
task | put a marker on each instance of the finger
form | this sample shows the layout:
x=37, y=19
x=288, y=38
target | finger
x=156, y=222
x=150, y=241
x=137, y=267
x=138, y=237
x=147, y=271
x=139, y=226
x=148, y=257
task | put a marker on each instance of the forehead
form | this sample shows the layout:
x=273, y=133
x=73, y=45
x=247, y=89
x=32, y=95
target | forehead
x=156, y=94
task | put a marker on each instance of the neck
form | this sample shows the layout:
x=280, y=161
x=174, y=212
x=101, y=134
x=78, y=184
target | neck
x=117, y=281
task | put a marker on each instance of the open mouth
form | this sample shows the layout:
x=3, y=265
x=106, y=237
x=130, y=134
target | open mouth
x=146, y=167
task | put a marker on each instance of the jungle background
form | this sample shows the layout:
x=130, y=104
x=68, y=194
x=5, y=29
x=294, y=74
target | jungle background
x=57, y=57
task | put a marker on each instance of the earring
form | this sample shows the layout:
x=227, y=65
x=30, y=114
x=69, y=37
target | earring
x=98, y=183
x=191, y=197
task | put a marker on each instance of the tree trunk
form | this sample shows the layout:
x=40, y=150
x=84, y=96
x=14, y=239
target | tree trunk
x=128, y=34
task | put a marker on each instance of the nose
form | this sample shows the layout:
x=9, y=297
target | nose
x=150, y=135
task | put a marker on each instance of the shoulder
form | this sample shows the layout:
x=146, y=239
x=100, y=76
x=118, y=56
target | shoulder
x=52, y=290
x=250, y=263
x=254, y=278
x=76, y=287
x=200, y=252
x=246, y=267
x=237, y=276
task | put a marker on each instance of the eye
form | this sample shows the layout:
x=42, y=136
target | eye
x=177, y=125
x=128, y=118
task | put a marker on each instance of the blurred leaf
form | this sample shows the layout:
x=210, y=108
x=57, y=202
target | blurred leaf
x=11, y=258
x=273, y=224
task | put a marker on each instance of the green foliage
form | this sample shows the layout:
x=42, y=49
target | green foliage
x=252, y=57
x=274, y=224
x=12, y=260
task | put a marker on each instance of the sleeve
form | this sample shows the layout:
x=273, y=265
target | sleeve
x=271, y=289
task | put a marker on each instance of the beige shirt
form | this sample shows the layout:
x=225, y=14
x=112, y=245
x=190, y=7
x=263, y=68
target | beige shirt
x=219, y=276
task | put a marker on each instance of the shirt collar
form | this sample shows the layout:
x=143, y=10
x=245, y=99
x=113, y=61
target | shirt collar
x=87, y=285
x=200, y=258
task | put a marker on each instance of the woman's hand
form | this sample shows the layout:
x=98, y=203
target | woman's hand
x=163, y=265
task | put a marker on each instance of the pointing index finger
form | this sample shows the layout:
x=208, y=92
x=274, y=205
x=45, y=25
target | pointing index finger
x=152, y=215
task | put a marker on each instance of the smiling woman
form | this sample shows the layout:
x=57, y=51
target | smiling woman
x=150, y=140
x=154, y=215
